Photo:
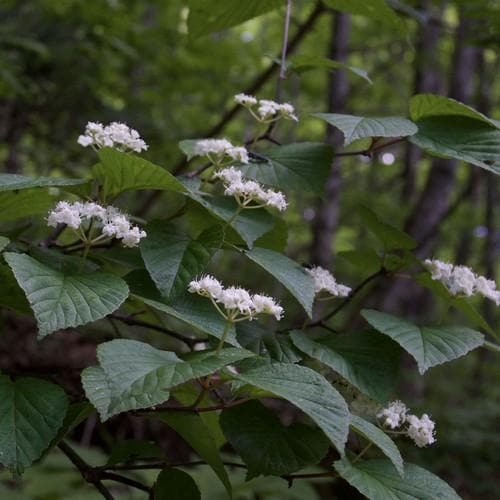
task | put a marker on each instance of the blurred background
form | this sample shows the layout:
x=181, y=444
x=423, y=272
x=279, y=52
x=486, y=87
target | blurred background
x=66, y=62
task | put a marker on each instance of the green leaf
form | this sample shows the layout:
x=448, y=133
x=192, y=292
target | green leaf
x=299, y=167
x=301, y=63
x=430, y=346
x=173, y=258
x=121, y=172
x=170, y=480
x=65, y=301
x=11, y=294
x=377, y=479
x=3, y=242
x=14, y=182
x=290, y=274
x=209, y=17
x=249, y=224
x=391, y=237
x=131, y=450
x=450, y=129
x=380, y=439
x=377, y=10
x=366, y=359
x=193, y=430
x=359, y=127
x=268, y=447
x=31, y=413
x=365, y=259
x=309, y=392
x=135, y=375
x=277, y=238
x=24, y=203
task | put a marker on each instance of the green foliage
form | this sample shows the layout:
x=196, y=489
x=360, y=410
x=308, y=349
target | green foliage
x=14, y=182
x=24, y=203
x=65, y=301
x=358, y=127
x=266, y=446
x=176, y=480
x=378, y=479
x=430, y=346
x=31, y=413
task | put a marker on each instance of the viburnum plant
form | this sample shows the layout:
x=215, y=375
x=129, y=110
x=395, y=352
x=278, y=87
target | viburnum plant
x=235, y=349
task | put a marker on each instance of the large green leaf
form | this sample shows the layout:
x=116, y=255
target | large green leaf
x=119, y=172
x=430, y=346
x=24, y=203
x=377, y=10
x=300, y=63
x=391, y=237
x=66, y=301
x=31, y=413
x=249, y=224
x=359, y=127
x=173, y=258
x=181, y=482
x=300, y=167
x=450, y=129
x=268, y=447
x=380, y=439
x=290, y=274
x=3, y=242
x=377, y=479
x=14, y=182
x=307, y=390
x=207, y=17
x=136, y=375
x=366, y=359
x=194, y=431
x=11, y=294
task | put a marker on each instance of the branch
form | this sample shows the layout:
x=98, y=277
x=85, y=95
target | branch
x=193, y=409
x=124, y=480
x=131, y=321
x=374, y=147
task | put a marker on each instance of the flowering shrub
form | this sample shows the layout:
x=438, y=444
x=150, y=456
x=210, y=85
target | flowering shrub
x=220, y=363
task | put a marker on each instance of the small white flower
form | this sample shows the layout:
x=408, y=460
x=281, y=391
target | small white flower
x=220, y=150
x=488, y=289
x=267, y=305
x=132, y=237
x=325, y=282
x=65, y=213
x=238, y=154
x=245, y=100
x=115, y=135
x=237, y=299
x=207, y=286
x=421, y=430
x=394, y=415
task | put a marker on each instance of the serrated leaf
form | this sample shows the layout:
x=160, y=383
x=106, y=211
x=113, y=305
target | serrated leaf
x=31, y=413
x=377, y=479
x=308, y=391
x=173, y=258
x=290, y=274
x=268, y=447
x=300, y=63
x=303, y=166
x=14, y=182
x=120, y=172
x=430, y=346
x=65, y=301
x=181, y=482
x=366, y=359
x=207, y=18
x=359, y=127
x=136, y=375
x=277, y=238
x=380, y=439
x=249, y=224
x=194, y=431
x=391, y=237
x=24, y=203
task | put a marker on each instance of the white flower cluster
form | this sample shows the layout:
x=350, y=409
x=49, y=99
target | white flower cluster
x=267, y=111
x=113, y=223
x=238, y=303
x=461, y=280
x=220, y=150
x=325, y=282
x=115, y=135
x=421, y=430
x=247, y=191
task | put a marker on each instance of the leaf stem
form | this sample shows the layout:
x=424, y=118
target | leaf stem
x=224, y=335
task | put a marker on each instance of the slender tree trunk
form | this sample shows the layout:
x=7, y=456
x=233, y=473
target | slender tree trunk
x=327, y=215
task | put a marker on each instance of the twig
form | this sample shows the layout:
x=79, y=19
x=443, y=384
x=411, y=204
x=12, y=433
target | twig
x=193, y=409
x=163, y=465
x=124, y=480
x=131, y=321
x=372, y=149
x=88, y=473
x=282, y=73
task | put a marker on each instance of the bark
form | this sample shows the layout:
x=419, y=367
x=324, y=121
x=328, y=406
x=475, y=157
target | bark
x=326, y=220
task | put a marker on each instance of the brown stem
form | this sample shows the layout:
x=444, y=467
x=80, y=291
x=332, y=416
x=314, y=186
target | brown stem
x=196, y=409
